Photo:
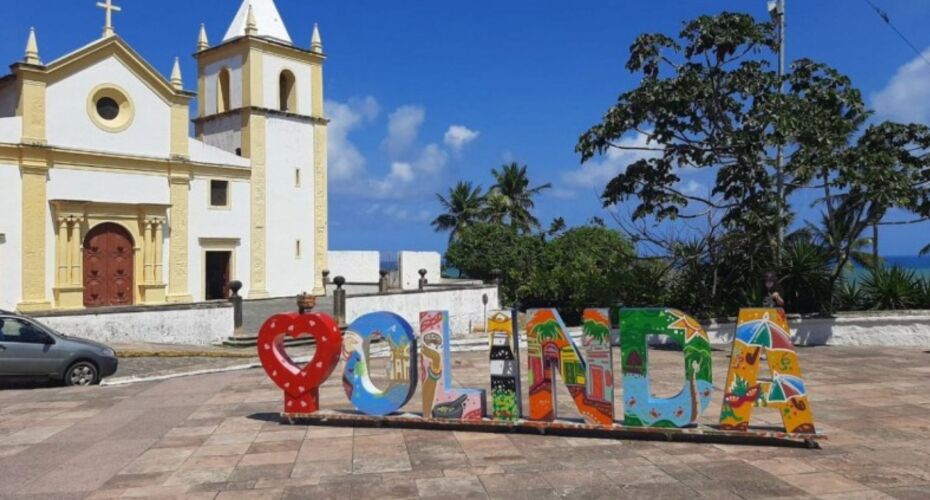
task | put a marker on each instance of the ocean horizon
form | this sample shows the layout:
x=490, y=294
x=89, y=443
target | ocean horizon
x=918, y=264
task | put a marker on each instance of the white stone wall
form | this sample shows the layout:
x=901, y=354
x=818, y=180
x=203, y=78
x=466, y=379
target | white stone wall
x=11, y=275
x=410, y=263
x=11, y=129
x=355, y=266
x=272, y=66
x=69, y=183
x=289, y=146
x=904, y=328
x=69, y=124
x=464, y=305
x=234, y=63
x=181, y=325
x=208, y=224
x=224, y=133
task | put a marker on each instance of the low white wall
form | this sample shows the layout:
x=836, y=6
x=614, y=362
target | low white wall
x=889, y=328
x=355, y=267
x=410, y=263
x=464, y=305
x=198, y=325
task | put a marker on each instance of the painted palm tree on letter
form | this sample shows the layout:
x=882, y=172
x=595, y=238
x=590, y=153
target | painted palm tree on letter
x=513, y=197
x=463, y=207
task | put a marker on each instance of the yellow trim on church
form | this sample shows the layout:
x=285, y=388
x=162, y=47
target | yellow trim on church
x=34, y=170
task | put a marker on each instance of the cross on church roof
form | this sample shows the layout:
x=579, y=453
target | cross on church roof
x=110, y=8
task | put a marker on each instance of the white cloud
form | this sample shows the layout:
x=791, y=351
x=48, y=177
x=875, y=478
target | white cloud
x=403, y=128
x=691, y=187
x=906, y=97
x=561, y=194
x=597, y=173
x=412, y=169
x=399, y=213
x=458, y=136
x=401, y=171
x=345, y=160
x=431, y=159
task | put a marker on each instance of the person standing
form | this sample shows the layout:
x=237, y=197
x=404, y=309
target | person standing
x=772, y=298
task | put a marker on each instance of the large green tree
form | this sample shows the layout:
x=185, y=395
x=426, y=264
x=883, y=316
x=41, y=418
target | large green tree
x=710, y=100
x=582, y=267
x=462, y=208
x=491, y=251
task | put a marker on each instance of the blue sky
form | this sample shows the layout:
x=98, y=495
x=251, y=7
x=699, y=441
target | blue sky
x=424, y=93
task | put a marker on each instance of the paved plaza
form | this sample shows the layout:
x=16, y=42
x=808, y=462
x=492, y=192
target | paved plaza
x=217, y=436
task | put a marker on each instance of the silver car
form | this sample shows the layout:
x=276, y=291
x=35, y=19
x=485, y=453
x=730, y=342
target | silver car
x=31, y=349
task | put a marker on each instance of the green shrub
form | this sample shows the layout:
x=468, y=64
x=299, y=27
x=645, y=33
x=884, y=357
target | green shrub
x=892, y=288
x=925, y=293
x=583, y=267
x=850, y=296
x=805, y=277
x=482, y=249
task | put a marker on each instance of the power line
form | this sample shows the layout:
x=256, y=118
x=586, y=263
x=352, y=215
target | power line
x=887, y=19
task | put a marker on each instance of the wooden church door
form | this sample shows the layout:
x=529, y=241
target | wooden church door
x=108, y=266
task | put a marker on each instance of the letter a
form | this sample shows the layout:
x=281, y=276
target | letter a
x=758, y=332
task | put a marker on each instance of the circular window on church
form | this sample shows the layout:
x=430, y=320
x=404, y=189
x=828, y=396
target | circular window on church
x=110, y=108
x=107, y=108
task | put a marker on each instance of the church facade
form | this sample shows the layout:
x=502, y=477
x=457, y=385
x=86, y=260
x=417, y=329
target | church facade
x=109, y=199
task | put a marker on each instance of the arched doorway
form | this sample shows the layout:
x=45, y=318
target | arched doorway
x=108, y=266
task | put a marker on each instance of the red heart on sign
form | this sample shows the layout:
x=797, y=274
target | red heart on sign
x=300, y=384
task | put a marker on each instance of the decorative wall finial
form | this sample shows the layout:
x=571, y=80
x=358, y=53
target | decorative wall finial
x=176, y=81
x=316, y=42
x=32, y=49
x=202, y=42
x=251, y=28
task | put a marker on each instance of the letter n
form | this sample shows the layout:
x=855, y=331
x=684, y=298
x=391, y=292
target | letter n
x=590, y=382
x=765, y=332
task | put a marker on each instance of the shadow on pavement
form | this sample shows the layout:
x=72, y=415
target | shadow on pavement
x=266, y=417
x=20, y=383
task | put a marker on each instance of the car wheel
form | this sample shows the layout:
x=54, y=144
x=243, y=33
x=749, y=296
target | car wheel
x=82, y=373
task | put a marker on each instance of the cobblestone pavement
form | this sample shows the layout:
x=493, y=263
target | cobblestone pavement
x=217, y=436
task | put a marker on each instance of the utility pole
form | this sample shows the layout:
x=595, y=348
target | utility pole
x=777, y=11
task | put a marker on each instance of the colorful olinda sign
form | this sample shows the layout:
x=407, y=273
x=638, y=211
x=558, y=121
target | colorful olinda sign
x=586, y=370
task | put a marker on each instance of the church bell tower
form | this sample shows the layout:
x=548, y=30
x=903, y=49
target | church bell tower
x=261, y=97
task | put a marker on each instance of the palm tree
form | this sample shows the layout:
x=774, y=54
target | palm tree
x=512, y=185
x=496, y=208
x=925, y=251
x=463, y=207
x=834, y=234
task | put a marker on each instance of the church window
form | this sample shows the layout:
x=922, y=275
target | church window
x=107, y=108
x=219, y=193
x=222, y=91
x=296, y=177
x=297, y=249
x=110, y=108
x=287, y=92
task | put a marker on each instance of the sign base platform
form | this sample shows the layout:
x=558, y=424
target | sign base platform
x=699, y=434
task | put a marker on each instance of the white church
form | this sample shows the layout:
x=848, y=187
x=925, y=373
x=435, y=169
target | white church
x=108, y=200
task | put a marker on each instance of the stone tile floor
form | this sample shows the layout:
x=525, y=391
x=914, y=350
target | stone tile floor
x=215, y=436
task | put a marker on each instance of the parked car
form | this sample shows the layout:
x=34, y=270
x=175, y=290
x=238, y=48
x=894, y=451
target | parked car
x=31, y=349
